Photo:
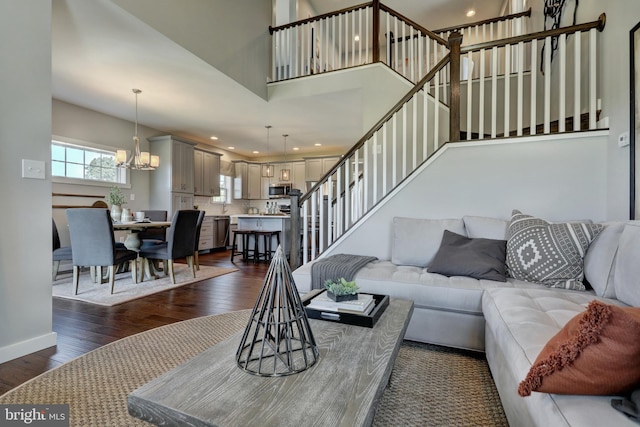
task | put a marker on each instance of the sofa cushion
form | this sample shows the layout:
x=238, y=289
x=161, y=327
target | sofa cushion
x=627, y=265
x=477, y=258
x=548, y=253
x=416, y=241
x=596, y=352
x=599, y=259
x=486, y=227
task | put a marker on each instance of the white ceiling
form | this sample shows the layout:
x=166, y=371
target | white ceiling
x=100, y=52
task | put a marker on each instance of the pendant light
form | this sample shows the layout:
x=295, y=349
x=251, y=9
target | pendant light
x=267, y=170
x=140, y=160
x=285, y=174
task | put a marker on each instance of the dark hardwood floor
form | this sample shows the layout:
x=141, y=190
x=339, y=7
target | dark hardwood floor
x=82, y=327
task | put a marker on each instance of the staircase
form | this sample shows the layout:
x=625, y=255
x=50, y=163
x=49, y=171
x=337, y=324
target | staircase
x=487, y=86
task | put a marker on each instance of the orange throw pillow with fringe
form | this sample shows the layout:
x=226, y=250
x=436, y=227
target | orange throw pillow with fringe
x=597, y=352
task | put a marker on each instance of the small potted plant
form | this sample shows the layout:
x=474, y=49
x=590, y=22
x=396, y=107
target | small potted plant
x=116, y=199
x=341, y=290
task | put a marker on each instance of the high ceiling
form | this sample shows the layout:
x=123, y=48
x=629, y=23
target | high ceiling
x=100, y=52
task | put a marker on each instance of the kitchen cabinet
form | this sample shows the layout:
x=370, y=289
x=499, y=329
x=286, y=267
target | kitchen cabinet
x=247, y=182
x=171, y=185
x=206, y=234
x=206, y=173
x=316, y=167
x=298, y=172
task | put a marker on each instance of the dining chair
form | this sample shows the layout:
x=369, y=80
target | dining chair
x=153, y=236
x=60, y=253
x=180, y=243
x=91, y=232
x=197, y=241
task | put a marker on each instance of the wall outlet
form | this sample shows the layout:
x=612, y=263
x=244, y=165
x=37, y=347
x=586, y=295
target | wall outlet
x=623, y=139
x=32, y=169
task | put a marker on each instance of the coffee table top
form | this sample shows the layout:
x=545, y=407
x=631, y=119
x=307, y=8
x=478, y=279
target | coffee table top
x=342, y=388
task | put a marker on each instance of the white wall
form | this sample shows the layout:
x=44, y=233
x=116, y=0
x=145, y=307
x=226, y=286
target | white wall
x=25, y=131
x=557, y=178
x=233, y=36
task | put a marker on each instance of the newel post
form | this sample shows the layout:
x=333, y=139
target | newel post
x=455, y=40
x=296, y=236
x=376, y=31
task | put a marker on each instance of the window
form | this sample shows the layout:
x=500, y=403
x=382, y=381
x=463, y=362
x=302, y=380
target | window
x=225, y=191
x=72, y=162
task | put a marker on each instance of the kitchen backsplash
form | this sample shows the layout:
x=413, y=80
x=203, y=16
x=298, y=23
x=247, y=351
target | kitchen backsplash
x=233, y=208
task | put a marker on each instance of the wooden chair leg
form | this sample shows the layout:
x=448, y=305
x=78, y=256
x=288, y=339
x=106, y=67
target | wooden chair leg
x=76, y=279
x=56, y=268
x=196, y=260
x=92, y=273
x=193, y=265
x=171, y=271
x=134, y=270
x=112, y=277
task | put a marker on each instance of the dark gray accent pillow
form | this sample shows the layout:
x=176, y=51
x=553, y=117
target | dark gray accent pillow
x=463, y=256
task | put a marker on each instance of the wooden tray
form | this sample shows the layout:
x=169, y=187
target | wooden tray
x=368, y=321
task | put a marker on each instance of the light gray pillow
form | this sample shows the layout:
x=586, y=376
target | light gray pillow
x=486, y=227
x=478, y=258
x=416, y=241
x=600, y=259
x=627, y=266
x=548, y=253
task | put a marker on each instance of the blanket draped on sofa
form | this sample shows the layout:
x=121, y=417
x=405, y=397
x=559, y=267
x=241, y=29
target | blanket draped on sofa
x=337, y=266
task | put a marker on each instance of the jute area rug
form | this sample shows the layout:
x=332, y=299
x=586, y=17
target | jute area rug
x=430, y=385
x=125, y=290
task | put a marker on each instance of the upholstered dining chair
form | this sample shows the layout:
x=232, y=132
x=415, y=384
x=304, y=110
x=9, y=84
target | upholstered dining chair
x=59, y=253
x=180, y=243
x=197, y=241
x=91, y=232
x=153, y=236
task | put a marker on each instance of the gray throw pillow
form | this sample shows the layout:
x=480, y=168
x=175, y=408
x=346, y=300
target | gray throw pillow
x=463, y=256
x=548, y=253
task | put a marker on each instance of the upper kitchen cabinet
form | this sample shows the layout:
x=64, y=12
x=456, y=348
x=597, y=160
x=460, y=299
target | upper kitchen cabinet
x=298, y=172
x=247, y=182
x=206, y=168
x=173, y=180
x=316, y=167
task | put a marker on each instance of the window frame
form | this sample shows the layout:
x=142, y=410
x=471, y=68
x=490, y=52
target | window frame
x=225, y=184
x=125, y=175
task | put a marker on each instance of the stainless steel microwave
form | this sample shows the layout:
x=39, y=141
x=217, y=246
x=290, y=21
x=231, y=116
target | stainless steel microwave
x=279, y=191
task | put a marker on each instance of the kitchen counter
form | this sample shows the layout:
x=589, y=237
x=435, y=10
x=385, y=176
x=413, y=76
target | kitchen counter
x=259, y=222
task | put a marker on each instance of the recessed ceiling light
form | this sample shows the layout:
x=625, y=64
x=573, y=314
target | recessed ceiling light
x=215, y=138
x=470, y=13
x=256, y=152
x=356, y=38
x=231, y=148
x=317, y=144
x=295, y=148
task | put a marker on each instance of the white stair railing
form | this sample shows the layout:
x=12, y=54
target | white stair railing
x=402, y=140
x=510, y=98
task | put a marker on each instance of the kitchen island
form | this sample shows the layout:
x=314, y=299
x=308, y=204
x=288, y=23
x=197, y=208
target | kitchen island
x=276, y=222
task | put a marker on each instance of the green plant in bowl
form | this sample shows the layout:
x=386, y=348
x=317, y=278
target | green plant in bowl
x=341, y=289
x=115, y=197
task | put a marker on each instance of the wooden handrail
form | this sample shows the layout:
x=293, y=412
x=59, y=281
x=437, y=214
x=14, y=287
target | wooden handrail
x=440, y=65
x=319, y=17
x=599, y=24
x=526, y=13
x=431, y=34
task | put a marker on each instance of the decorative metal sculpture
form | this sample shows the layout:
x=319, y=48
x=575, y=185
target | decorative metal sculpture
x=277, y=340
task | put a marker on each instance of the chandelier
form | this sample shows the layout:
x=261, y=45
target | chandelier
x=267, y=170
x=285, y=174
x=140, y=160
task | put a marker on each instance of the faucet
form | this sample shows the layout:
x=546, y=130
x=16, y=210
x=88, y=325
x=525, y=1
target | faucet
x=224, y=207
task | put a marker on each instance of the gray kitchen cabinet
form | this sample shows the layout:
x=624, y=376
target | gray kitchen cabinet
x=171, y=184
x=206, y=173
x=206, y=234
x=247, y=182
x=316, y=167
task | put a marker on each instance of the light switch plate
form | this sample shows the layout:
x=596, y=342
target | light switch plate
x=623, y=139
x=32, y=169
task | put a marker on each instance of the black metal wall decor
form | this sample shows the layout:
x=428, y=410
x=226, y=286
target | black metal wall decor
x=277, y=340
x=553, y=12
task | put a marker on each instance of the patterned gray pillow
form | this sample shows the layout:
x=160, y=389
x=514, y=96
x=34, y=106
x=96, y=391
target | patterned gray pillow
x=548, y=253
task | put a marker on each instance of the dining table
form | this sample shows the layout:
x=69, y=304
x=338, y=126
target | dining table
x=132, y=242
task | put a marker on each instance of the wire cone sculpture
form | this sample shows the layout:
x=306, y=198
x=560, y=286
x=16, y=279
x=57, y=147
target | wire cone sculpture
x=277, y=340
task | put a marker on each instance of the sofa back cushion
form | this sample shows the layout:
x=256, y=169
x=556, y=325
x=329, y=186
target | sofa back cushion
x=599, y=259
x=485, y=227
x=627, y=265
x=416, y=241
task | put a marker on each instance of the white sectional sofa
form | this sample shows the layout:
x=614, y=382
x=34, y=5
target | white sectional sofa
x=511, y=321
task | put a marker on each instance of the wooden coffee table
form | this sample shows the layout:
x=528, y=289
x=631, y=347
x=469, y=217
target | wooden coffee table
x=342, y=388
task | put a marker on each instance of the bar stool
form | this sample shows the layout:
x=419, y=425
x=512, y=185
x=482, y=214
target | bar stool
x=267, y=238
x=246, y=237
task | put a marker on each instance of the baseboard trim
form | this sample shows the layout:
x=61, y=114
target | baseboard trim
x=22, y=348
